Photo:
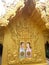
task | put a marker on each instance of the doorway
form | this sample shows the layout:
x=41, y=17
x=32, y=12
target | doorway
x=1, y=50
x=47, y=49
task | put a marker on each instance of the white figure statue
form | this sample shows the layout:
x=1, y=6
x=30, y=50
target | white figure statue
x=2, y=9
x=43, y=1
x=4, y=4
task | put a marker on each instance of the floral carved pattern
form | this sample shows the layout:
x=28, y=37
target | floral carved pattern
x=18, y=33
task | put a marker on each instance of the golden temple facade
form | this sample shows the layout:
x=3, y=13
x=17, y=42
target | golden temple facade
x=24, y=31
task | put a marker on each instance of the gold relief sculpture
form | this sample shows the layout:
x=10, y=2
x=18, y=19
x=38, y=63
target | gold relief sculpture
x=38, y=56
x=21, y=54
x=23, y=36
x=12, y=57
x=22, y=33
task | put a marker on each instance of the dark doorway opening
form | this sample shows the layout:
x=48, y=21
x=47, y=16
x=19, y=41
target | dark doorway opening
x=1, y=50
x=47, y=49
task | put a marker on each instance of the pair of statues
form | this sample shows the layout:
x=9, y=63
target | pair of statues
x=25, y=50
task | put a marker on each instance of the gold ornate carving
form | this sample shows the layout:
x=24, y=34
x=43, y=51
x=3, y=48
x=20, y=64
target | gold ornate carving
x=23, y=30
x=12, y=57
